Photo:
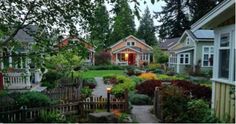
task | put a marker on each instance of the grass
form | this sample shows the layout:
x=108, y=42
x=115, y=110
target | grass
x=98, y=73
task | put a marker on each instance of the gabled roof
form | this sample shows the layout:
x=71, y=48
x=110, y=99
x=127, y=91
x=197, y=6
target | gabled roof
x=127, y=47
x=167, y=43
x=214, y=17
x=131, y=36
x=204, y=34
x=184, y=49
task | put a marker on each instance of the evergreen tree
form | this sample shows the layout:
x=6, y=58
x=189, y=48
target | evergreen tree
x=174, y=21
x=123, y=21
x=99, y=27
x=199, y=8
x=146, y=29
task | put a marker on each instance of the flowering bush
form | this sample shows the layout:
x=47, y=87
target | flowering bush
x=148, y=87
x=148, y=76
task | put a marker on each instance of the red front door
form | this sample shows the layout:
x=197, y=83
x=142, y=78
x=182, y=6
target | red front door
x=131, y=59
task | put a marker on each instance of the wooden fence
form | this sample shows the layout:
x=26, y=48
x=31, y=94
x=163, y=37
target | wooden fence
x=68, y=90
x=92, y=104
x=29, y=114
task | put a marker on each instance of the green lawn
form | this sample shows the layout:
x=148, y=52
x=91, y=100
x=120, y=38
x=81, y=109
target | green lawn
x=98, y=73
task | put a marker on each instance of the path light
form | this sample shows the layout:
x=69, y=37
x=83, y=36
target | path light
x=108, y=98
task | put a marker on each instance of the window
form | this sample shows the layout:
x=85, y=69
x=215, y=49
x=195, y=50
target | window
x=184, y=58
x=173, y=59
x=187, y=41
x=207, y=56
x=224, y=55
x=144, y=56
x=131, y=43
x=128, y=43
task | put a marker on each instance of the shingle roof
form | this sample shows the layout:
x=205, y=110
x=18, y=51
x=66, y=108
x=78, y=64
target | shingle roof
x=168, y=43
x=23, y=36
x=204, y=34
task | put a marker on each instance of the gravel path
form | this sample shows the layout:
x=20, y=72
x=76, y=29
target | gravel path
x=141, y=114
x=100, y=89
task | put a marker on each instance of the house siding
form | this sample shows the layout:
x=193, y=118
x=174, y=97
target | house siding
x=224, y=104
x=199, y=53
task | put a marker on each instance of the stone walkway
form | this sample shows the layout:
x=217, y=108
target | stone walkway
x=141, y=114
x=100, y=89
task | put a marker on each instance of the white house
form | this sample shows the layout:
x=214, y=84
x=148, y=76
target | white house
x=222, y=20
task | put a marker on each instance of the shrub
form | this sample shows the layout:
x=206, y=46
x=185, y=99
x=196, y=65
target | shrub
x=140, y=99
x=103, y=58
x=158, y=71
x=198, y=111
x=106, y=67
x=195, y=90
x=86, y=92
x=50, y=117
x=52, y=76
x=137, y=80
x=148, y=76
x=49, y=85
x=124, y=83
x=174, y=104
x=168, y=78
x=110, y=79
x=153, y=66
x=90, y=82
x=148, y=87
x=33, y=99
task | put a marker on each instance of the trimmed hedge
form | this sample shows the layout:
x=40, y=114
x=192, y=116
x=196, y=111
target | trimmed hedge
x=140, y=99
x=107, y=67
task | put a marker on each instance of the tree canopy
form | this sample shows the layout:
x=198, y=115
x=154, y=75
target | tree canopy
x=123, y=21
x=100, y=26
x=146, y=29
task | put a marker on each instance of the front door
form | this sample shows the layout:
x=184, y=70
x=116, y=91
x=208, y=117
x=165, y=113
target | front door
x=131, y=59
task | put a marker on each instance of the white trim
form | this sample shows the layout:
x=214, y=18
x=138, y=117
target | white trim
x=224, y=81
x=127, y=47
x=184, y=57
x=212, y=14
x=222, y=30
x=213, y=96
x=209, y=53
x=130, y=36
x=177, y=52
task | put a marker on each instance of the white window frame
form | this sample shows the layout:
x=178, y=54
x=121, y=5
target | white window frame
x=218, y=32
x=173, y=59
x=184, y=57
x=209, y=54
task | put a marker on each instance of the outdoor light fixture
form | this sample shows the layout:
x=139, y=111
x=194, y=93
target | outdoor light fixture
x=108, y=98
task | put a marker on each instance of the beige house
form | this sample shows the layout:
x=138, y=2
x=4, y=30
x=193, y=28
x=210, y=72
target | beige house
x=222, y=20
x=131, y=51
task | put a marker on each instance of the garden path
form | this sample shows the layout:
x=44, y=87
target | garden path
x=100, y=89
x=141, y=114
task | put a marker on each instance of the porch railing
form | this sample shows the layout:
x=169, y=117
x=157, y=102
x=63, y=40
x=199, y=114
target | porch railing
x=15, y=80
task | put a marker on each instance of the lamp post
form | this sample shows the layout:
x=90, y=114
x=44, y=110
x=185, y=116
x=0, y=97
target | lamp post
x=108, y=99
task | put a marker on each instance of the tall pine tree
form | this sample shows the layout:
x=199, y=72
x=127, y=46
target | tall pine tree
x=123, y=21
x=100, y=26
x=199, y=8
x=174, y=21
x=146, y=29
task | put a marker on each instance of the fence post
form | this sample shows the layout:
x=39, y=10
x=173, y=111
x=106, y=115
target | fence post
x=126, y=101
x=157, y=103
